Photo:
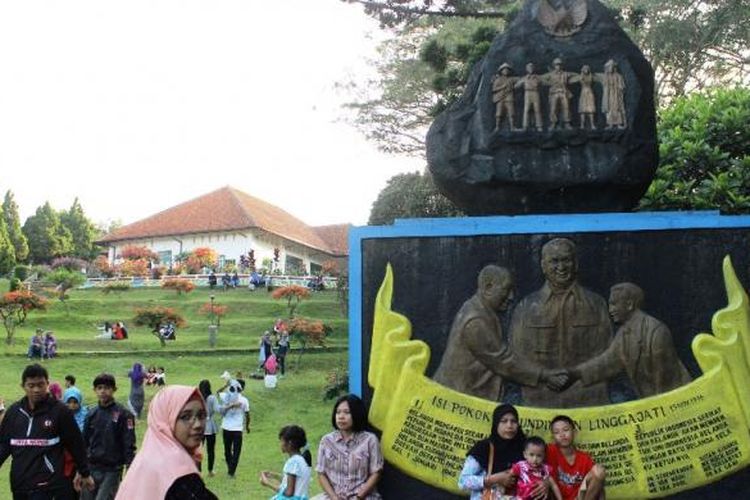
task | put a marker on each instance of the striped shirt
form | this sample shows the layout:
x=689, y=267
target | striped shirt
x=348, y=464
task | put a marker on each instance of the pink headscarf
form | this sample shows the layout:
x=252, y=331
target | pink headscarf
x=56, y=390
x=162, y=459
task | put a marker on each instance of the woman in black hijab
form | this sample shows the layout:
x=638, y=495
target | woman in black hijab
x=505, y=447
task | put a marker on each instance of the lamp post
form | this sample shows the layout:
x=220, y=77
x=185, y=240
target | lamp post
x=213, y=329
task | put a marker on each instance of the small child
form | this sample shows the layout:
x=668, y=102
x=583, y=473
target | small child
x=532, y=471
x=296, y=474
x=576, y=473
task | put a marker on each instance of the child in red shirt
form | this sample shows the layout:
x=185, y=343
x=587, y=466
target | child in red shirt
x=575, y=472
x=532, y=471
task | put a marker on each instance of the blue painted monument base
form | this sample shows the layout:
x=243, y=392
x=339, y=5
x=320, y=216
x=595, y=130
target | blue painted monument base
x=674, y=256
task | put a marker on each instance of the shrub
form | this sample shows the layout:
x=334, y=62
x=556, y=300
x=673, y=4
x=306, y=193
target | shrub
x=216, y=310
x=293, y=294
x=704, y=154
x=102, y=267
x=15, y=284
x=309, y=331
x=156, y=315
x=15, y=307
x=115, y=286
x=337, y=383
x=202, y=257
x=179, y=285
x=138, y=252
x=137, y=267
x=65, y=279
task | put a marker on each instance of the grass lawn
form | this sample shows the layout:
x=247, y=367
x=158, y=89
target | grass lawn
x=297, y=399
x=249, y=314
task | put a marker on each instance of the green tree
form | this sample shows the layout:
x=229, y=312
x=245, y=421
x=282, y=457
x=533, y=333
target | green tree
x=46, y=235
x=704, y=153
x=65, y=279
x=424, y=67
x=410, y=195
x=82, y=230
x=7, y=252
x=13, y=225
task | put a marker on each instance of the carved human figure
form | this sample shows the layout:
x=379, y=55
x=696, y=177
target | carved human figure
x=502, y=96
x=586, y=100
x=531, y=83
x=561, y=326
x=642, y=347
x=477, y=358
x=613, y=95
x=559, y=94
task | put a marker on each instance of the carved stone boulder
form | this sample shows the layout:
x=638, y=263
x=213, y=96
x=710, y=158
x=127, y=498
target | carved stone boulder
x=590, y=153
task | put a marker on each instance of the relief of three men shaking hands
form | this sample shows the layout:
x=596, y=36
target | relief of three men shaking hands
x=561, y=349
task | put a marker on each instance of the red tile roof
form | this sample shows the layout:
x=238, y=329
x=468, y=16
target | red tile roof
x=337, y=237
x=228, y=209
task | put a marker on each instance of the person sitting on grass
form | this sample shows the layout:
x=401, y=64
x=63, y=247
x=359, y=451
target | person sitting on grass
x=294, y=481
x=50, y=345
x=574, y=471
x=36, y=345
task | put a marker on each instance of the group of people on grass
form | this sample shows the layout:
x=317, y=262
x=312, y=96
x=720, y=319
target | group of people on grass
x=42, y=345
x=113, y=331
x=60, y=448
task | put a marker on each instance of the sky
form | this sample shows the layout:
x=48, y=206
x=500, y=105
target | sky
x=135, y=106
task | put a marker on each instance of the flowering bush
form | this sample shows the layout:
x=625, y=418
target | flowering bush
x=337, y=383
x=179, y=285
x=102, y=267
x=15, y=306
x=216, y=310
x=158, y=271
x=309, y=331
x=200, y=258
x=176, y=269
x=137, y=267
x=136, y=252
x=330, y=268
x=293, y=294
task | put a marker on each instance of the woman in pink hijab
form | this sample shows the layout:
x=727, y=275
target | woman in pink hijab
x=166, y=466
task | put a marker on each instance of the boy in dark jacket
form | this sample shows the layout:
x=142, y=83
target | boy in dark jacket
x=109, y=435
x=36, y=431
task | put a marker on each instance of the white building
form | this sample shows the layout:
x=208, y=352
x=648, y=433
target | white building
x=233, y=223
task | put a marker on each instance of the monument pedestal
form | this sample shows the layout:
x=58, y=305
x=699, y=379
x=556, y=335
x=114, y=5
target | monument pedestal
x=691, y=442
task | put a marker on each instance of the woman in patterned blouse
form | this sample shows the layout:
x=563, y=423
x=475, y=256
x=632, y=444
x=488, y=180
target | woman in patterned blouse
x=349, y=459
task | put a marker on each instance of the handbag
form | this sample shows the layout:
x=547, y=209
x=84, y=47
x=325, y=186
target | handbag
x=487, y=491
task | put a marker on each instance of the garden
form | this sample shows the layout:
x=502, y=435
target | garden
x=316, y=366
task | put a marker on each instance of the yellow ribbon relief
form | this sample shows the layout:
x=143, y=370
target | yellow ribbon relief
x=651, y=447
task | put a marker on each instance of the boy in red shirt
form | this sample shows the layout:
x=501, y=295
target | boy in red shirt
x=575, y=472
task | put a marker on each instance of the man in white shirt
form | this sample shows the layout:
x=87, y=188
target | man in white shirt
x=235, y=409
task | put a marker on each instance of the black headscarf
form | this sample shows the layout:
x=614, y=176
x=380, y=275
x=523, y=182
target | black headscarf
x=507, y=451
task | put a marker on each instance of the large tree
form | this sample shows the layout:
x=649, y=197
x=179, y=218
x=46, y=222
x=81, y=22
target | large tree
x=7, y=252
x=46, y=235
x=82, y=230
x=408, y=196
x=423, y=68
x=13, y=224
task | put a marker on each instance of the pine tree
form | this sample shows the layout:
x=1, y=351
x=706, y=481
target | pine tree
x=13, y=226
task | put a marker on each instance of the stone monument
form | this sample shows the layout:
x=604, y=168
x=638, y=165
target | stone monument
x=586, y=141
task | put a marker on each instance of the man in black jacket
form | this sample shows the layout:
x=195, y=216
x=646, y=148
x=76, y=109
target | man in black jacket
x=36, y=431
x=109, y=434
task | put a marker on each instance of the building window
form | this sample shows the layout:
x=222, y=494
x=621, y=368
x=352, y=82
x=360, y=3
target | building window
x=294, y=265
x=315, y=269
x=165, y=258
